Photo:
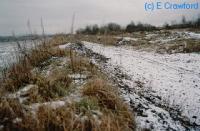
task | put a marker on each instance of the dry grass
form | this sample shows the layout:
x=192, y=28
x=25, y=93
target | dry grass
x=79, y=63
x=51, y=88
x=183, y=46
x=9, y=111
x=105, y=94
x=69, y=117
x=63, y=39
x=108, y=99
x=192, y=46
x=15, y=77
x=19, y=73
x=99, y=109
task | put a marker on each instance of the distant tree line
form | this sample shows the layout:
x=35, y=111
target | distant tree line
x=132, y=27
x=114, y=28
x=184, y=24
x=95, y=29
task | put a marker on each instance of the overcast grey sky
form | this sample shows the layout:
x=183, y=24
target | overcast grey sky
x=57, y=14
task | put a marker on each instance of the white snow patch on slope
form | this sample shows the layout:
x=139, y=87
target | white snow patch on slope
x=127, y=38
x=193, y=35
x=54, y=105
x=20, y=92
x=64, y=46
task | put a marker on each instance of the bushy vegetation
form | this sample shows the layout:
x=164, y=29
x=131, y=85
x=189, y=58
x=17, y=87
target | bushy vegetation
x=110, y=28
x=132, y=27
x=184, y=24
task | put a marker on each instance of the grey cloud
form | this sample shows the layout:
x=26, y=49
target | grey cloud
x=57, y=14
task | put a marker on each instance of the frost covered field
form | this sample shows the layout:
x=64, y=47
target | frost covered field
x=8, y=51
x=168, y=85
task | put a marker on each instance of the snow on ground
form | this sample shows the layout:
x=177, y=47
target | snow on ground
x=189, y=35
x=21, y=92
x=193, y=35
x=64, y=46
x=127, y=38
x=175, y=78
x=9, y=50
x=54, y=105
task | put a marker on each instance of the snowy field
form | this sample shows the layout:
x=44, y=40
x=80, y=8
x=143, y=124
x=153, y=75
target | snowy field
x=9, y=51
x=174, y=78
x=6, y=52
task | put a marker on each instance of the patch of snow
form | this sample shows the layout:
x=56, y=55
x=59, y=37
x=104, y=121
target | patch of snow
x=193, y=35
x=127, y=38
x=149, y=36
x=21, y=92
x=188, y=35
x=54, y=105
x=46, y=71
x=130, y=39
x=153, y=117
x=73, y=97
x=17, y=120
x=64, y=46
x=78, y=76
x=1, y=127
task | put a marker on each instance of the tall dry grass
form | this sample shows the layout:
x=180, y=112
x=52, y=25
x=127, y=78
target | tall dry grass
x=108, y=98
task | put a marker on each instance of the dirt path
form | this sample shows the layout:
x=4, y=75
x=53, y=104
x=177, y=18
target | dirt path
x=161, y=89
